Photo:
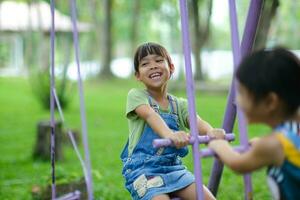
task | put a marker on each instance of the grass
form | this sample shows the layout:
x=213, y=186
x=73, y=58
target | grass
x=107, y=128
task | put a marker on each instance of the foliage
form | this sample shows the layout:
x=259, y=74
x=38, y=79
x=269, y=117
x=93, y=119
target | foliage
x=40, y=82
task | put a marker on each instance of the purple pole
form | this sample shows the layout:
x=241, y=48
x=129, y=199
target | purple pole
x=230, y=112
x=203, y=139
x=52, y=121
x=89, y=182
x=191, y=100
x=246, y=47
x=254, y=14
x=242, y=124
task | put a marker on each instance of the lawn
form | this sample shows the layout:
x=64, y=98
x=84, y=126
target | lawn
x=107, y=128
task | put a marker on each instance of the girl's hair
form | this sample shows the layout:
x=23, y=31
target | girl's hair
x=149, y=48
x=276, y=70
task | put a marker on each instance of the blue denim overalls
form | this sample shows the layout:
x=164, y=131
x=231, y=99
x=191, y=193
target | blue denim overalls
x=149, y=171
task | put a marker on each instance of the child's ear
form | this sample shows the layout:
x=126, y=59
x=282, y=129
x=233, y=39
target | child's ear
x=172, y=68
x=137, y=76
x=272, y=101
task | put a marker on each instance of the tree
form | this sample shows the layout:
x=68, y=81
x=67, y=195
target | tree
x=107, y=40
x=268, y=13
x=200, y=33
x=135, y=22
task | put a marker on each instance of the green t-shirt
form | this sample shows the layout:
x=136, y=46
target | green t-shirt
x=137, y=97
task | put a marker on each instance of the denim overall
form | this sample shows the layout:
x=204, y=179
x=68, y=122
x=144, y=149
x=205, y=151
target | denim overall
x=284, y=180
x=149, y=171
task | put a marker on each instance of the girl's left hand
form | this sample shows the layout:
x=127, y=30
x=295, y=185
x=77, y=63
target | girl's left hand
x=216, y=133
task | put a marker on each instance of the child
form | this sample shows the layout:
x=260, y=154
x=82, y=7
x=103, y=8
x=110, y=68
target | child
x=269, y=93
x=153, y=113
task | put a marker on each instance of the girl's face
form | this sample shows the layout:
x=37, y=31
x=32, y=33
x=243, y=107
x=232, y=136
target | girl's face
x=154, y=71
x=255, y=111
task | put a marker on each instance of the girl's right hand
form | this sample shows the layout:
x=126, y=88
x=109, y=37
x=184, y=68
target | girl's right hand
x=180, y=139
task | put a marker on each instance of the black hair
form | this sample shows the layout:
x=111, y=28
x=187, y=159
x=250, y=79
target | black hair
x=149, y=48
x=276, y=70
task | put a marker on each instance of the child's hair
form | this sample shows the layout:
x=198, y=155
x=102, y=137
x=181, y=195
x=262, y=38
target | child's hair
x=276, y=70
x=150, y=48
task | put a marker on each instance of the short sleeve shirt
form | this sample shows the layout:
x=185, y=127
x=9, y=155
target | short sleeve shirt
x=137, y=97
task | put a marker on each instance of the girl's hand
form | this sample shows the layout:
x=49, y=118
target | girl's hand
x=216, y=133
x=180, y=139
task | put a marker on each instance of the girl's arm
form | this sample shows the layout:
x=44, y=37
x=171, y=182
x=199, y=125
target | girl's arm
x=159, y=126
x=264, y=152
x=204, y=128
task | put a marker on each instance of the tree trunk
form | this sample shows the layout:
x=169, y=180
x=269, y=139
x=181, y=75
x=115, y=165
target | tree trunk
x=94, y=42
x=268, y=13
x=107, y=41
x=135, y=22
x=196, y=45
x=200, y=35
x=42, y=145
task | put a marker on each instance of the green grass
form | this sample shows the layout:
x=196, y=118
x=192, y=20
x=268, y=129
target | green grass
x=107, y=127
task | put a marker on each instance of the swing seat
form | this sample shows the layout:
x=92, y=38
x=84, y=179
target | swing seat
x=70, y=196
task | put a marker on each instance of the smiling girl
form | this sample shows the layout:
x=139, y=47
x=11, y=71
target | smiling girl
x=154, y=113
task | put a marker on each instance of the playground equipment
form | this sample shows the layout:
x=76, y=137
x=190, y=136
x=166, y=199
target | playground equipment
x=54, y=99
x=239, y=51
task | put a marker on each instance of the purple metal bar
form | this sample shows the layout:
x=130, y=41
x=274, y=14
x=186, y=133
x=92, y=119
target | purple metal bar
x=89, y=182
x=230, y=112
x=70, y=136
x=203, y=139
x=254, y=14
x=52, y=105
x=74, y=146
x=208, y=152
x=235, y=40
x=246, y=47
x=191, y=100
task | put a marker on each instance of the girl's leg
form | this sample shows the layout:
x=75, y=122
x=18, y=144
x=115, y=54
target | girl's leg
x=161, y=197
x=189, y=193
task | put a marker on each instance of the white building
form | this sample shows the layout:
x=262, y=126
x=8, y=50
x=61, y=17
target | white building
x=19, y=17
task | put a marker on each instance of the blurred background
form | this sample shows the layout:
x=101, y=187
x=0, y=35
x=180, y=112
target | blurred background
x=109, y=32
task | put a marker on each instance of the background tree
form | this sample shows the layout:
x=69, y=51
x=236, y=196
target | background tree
x=200, y=31
x=285, y=27
x=135, y=21
x=107, y=39
x=264, y=25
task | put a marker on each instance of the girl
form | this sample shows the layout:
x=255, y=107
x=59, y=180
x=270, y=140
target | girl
x=269, y=93
x=153, y=113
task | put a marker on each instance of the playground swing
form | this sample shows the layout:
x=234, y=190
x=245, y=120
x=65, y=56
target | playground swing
x=246, y=46
x=239, y=51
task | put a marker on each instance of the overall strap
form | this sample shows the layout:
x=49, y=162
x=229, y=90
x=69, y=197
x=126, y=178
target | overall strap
x=153, y=104
x=174, y=105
